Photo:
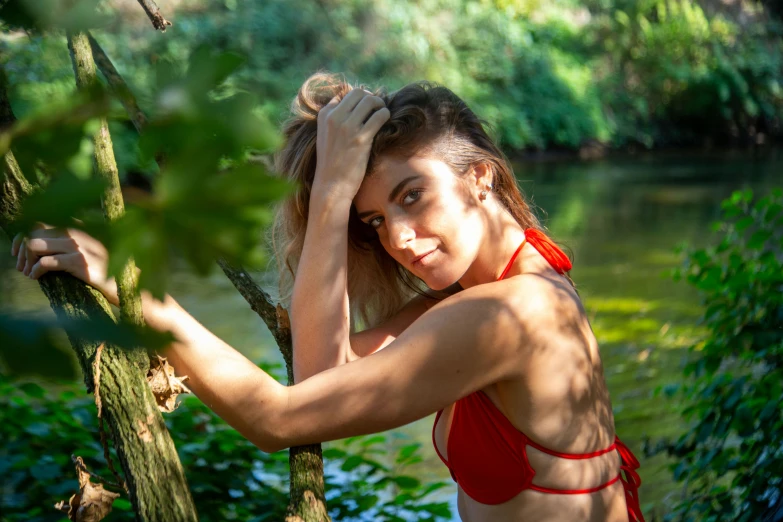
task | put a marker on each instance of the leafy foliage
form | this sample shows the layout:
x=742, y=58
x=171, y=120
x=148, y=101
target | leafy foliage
x=40, y=15
x=363, y=488
x=674, y=73
x=543, y=74
x=731, y=456
x=229, y=477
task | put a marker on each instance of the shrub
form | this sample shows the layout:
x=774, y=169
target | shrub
x=229, y=477
x=731, y=457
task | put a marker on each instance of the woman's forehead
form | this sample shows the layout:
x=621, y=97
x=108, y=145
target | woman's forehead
x=389, y=172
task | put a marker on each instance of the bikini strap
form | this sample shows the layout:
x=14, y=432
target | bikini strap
x=511, y=261
x=546, y=247
x=571, y=456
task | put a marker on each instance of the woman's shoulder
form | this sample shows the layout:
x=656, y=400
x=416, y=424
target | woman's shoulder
x=533, y=296
x=523, y=305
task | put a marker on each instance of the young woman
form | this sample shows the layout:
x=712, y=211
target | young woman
x=408, y=220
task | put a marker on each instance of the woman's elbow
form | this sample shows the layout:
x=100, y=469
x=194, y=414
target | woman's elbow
x=267, y=431
x=269, y=445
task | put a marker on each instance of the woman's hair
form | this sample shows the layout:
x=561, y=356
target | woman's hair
x=426, y=120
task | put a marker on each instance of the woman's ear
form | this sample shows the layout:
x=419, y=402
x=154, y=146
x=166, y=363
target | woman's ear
x=482, y=176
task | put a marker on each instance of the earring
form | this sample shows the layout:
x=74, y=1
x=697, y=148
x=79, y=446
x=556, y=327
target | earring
x=483, y=194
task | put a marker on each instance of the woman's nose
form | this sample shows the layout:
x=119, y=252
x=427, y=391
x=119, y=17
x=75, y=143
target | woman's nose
x=400, y=232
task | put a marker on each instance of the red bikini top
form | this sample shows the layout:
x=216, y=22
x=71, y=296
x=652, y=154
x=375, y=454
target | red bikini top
x=488, y=455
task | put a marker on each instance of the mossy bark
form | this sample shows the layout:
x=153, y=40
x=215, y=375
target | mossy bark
x=156, y=480
x=307, y=499
x=154, y=474
x=106, y=168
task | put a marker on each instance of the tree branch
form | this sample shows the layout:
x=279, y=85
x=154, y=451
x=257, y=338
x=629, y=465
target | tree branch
x=106, y=168
x=308, y=502
x=151, y=8
x=117, y=85
x=156, y=481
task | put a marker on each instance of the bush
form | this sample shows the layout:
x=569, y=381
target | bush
x=674, y=73
x=731, y=458
x=544, y=74
x=229, y=477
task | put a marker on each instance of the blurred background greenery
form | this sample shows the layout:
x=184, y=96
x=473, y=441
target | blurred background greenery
x=551, y=75
x=677, y=103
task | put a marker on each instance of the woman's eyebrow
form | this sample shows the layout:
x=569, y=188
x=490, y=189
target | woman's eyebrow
x=393, y=194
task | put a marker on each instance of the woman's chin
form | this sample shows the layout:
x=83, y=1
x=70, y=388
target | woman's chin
x=438, y=285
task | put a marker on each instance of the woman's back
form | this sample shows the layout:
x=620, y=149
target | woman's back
x=560, y=399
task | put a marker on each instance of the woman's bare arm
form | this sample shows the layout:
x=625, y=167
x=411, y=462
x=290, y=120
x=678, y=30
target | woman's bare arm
x=459, y=346
x=225, y=380
x=320, y=314
x=320, y=317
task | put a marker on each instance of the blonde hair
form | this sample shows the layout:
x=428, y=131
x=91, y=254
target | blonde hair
x=426, y=120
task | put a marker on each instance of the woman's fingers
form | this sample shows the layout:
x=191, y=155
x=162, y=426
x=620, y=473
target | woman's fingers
x=51, y=264
x=348, y=104
x=328, y=108
x=47, y=246
x=363, y=110
x=22, y=256
x=16, y=243
x=29, y=262
x=376, y=121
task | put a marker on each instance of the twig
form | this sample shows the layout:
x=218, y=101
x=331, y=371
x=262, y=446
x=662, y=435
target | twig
x=259, y=301
x=96, y=372
x=275, y=317
x=80, y=465
x=151, y=8
x=117, y=84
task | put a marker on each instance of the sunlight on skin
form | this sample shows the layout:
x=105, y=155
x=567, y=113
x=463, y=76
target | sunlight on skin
x=436, y=212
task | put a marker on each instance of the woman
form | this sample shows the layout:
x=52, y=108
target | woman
x=409, y=219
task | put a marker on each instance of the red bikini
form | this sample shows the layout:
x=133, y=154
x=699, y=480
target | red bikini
x=489, y=455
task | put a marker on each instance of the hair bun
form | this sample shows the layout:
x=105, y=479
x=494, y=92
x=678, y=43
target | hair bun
x=316, y=92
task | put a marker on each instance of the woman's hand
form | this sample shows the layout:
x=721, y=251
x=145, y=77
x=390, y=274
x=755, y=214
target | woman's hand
x=346, y=129
x=49, y=249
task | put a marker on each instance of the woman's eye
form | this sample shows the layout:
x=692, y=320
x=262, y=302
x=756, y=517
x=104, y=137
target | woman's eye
x=375, y=222
x=411, y=196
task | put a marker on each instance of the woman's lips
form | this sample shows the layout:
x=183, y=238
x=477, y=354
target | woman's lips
x=424, y=260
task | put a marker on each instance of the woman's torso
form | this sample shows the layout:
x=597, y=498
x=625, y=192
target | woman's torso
x=560, y=401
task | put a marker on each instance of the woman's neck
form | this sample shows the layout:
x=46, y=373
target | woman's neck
x=502, y=238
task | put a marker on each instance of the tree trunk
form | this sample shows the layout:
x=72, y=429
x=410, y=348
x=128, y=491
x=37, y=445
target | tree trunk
x=307, y=499
x=155, y=478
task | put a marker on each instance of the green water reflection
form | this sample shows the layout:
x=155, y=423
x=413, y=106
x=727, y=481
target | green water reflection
x=622, y=219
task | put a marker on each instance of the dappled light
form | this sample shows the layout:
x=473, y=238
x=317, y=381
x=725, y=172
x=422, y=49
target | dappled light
x=371, y=278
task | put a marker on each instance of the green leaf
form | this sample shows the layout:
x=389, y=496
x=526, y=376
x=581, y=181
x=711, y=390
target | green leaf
x=374, y=439
x=41, y=15
x=352, y=462
x=744, y=223
x=65, y=198
x=406, y=482
x=33, y=390
x=759, y=239
x=333, y=453
x=208, y=69
x=31, y=346
x=122, y=504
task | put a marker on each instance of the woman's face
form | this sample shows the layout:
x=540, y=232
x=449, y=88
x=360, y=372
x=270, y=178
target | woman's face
x=428, y=219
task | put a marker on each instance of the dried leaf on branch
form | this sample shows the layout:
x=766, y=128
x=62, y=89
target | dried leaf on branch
x=92, y=503
x=165, y=384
